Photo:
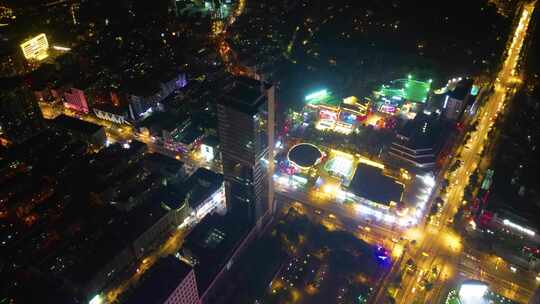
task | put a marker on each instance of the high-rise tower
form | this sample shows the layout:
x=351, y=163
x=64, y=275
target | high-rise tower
x=246, y=132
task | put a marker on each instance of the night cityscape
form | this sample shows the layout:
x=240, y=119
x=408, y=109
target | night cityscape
x=269, y=152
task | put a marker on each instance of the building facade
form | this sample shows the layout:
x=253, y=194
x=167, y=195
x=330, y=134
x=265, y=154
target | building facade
x=186, y=292
x=76, y=100
x=112, y=114
x=245, y=127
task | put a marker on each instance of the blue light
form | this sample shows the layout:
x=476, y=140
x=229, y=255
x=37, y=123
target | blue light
x=382, y=255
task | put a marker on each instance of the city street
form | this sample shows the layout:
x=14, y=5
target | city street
x=444, y=253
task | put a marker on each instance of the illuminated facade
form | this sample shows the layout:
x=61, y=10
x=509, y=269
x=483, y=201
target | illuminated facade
x=112, y=114
x=342, y=118
x=36, y=48
x=76, y=100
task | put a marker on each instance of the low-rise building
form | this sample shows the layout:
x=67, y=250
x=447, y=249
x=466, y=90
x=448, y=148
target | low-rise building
x=75, y=99
x=85, y=131
x=211, y=248
x=169, y=281
x=371, y=186
x=205, y=193
x=419, y=142
x=118, y=115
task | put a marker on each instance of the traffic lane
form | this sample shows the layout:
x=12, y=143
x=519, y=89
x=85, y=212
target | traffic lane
x=455, y=194
x=502, y=285
x=336, y=209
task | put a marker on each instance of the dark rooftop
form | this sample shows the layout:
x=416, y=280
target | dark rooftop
x=160, y=281
x=244, y=95
x=109, y=108
x=422, y=132
x=505, y=200
x=76, y=125
x=370, y=183
x=143, y=86
x=213, y=242
x=304, y=155
x=211, y=141
x=169, y=196
x=190, y=135
x=164, y=121
x=201, y=185
x=138, y=220
x=462, y=89
x=161, y=161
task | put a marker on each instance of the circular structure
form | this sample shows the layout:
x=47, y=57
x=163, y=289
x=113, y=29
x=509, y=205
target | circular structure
x=304, y=155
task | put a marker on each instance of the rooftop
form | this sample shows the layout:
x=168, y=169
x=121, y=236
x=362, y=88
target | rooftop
x=423, y=132
x=213, y=242
x=157, y=284
x=461, y=90
x=211, y=141
x=109, y=108
x=408, y=89
x=201, y=185
x=140, y=86
x=164, y=121
x=370, y=183
x=138, y=220
x=304, y=155
x=190, y=135
x=244, y=95
x=76, y=125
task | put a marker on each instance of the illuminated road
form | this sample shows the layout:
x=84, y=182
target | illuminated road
x=440, y=247
x=519, y=285
x=347, y=215
x=170, y=246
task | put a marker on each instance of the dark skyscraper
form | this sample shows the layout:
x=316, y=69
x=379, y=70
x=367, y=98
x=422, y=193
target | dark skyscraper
x=245, y=124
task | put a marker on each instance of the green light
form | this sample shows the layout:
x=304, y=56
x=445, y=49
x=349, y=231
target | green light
x=408, y=89
x=97, y=299
x=317, y=95
x=410, y=76
x=475, y=90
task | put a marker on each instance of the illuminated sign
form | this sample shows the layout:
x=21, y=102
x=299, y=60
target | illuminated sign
x=36, y=48
x=518, y=227
x=386, y=108
x=474, y=90
x=343, y=128
x=207, y=152
x=349, y=118
x=473, y=292
x=328, y=115
x=61, y=48
x=324, y=124
x=96, y=300
x=487, y=180
x=352, y=100
x=446, y=101
x=317, y=95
